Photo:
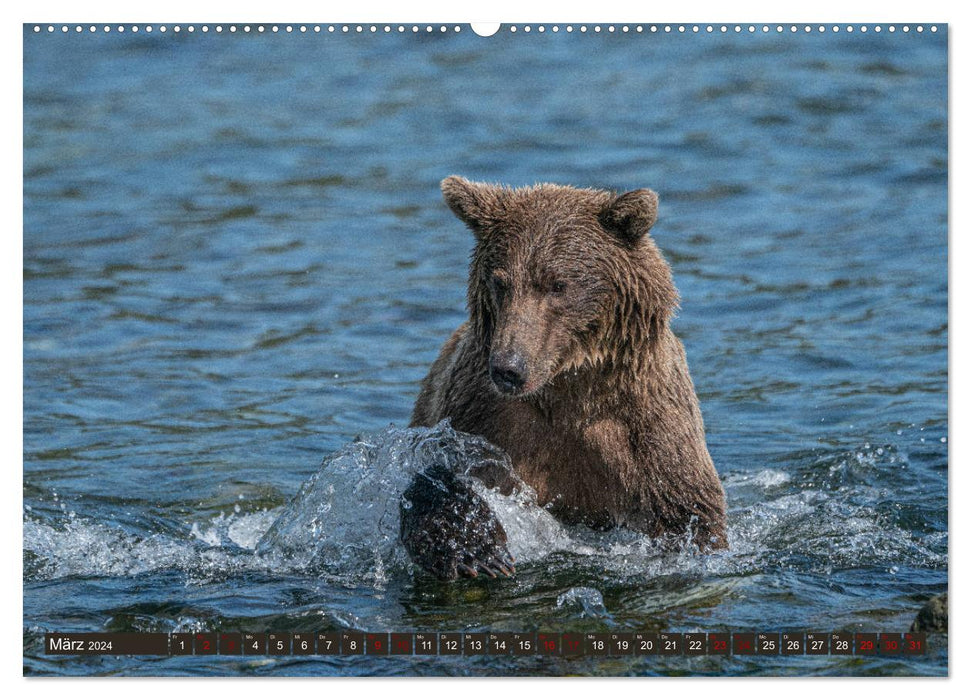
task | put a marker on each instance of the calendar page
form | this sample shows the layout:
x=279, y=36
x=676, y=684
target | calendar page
x=603, y=349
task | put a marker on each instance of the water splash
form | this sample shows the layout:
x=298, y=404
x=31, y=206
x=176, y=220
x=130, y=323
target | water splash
x=82, y=546
x=588, y=602
x=343, y=524
x=345, y=519
x=235, y=529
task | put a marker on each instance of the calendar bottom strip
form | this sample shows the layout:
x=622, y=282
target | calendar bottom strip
x=349, y=643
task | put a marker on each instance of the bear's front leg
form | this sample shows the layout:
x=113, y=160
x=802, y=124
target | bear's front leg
x=449, y=530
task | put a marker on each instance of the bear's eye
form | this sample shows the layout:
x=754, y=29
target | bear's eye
x=558, y=287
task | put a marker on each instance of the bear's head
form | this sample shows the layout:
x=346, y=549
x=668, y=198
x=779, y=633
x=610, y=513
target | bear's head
x=561, y=279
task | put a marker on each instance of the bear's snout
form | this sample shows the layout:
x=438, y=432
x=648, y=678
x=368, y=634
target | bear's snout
x=508, y=371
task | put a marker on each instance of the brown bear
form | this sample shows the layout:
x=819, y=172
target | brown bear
x=569, y=364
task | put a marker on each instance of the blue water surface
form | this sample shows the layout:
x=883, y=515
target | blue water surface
x=236, y=259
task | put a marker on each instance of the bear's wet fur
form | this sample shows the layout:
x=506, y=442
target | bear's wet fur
x=569, y=364
x=432, y=507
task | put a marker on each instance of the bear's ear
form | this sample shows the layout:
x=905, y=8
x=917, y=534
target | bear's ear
x=631, y=215
x=475, y=203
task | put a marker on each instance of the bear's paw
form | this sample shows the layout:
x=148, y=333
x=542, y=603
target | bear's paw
x=449, y=530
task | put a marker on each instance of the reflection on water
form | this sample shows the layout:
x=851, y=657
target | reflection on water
x=236, y=261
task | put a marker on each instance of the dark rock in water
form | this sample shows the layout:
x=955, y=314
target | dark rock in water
x=449, y=530
x=933, y=616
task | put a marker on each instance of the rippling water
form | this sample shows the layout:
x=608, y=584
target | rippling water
x=236, y=260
